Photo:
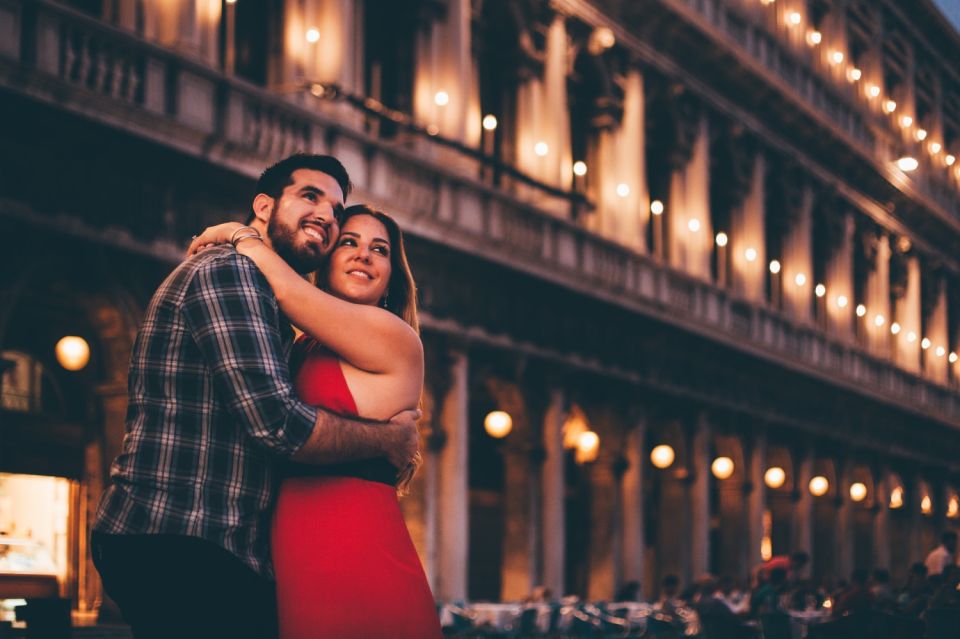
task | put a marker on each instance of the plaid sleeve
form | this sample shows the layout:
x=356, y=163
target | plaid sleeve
x=233, y=317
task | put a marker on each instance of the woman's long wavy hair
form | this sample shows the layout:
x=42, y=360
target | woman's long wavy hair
x=400, y=298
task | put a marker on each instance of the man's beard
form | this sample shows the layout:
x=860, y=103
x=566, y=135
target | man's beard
x=305, y=258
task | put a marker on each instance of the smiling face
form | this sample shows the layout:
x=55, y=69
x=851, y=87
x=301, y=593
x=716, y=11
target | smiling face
x=302, y=223
x=359, y=269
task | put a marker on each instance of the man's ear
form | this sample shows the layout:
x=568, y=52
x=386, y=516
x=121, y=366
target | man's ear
x=263, y=207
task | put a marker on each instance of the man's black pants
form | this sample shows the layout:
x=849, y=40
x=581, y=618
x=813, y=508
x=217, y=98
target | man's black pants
x=172, y=586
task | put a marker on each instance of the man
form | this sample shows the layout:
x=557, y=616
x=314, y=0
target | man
x=943, y=555
x=792, y=565
x=181, y=537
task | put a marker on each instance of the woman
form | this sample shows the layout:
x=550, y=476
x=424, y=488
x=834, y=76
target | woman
x=345, y=565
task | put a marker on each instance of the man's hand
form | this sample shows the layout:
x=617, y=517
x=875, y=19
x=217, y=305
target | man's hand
x=406, y=437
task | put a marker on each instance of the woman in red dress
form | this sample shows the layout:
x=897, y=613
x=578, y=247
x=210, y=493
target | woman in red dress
x=346, y=567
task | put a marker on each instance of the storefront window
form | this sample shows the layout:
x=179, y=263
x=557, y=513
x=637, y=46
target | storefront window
x=21, y=382
x=34, y=524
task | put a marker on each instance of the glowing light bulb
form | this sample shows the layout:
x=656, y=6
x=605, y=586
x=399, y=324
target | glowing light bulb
x=800, y=279
x=490, y=122
x=842, y=301
x=921, y=135
x=580, y=168
x=656, y=207
x=949, y=160
x=774, y=477
x=774, y=266
x=905, y=121
x=498, y=424
x=814, y=37
x=925, y=343
x=794, y=18
x=541, y=149
x=442, y=98
x=907, y=164
x=926, y=505
x=313, y=35
x=662, y=456
x=890, y=106
x=879, y=320
x=73, y=353
x=911, y=336
x=836, y=57
x=693, y=225
x=861, y=310
x=722, y=467
x=623, y=190
x=820, y=290
x=854, y=74
x=819, y=486
x=941, y=351
x=935, y=147
x=896, y=497
x=873, y=91
x=858, y=491
x=750, y=254
x=953, y=358
x=895, y=328
x=721, y=239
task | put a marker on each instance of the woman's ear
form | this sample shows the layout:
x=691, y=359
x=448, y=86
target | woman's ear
x=263, y=207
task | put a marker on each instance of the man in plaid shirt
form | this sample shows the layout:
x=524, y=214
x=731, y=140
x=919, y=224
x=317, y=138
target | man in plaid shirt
x=181, y=536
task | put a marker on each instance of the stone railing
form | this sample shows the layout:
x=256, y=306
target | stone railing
x=838, y=105
x=81, y=65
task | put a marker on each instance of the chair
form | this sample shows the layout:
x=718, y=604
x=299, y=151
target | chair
x=46, y=618
x=942, y=623
x=776, y=625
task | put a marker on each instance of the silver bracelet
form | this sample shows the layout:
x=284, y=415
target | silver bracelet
x=243, y=233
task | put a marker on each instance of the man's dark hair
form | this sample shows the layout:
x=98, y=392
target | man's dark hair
x=279, y=176
x=800, y=558
x=778, y=576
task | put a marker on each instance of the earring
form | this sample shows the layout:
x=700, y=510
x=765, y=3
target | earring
x=383, y=302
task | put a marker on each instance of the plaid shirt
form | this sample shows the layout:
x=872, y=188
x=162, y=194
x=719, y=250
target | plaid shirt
x=211, y=410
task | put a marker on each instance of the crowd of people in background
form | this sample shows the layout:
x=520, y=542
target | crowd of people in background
x=779, y=588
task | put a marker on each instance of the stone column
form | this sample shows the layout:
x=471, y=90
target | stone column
x=190, y=26
x=518, y=512
x=624, y=212
x=454, y=493
x=747, y=239
x=604, y=520
x=632, y=487
x=877, y=298
x=554, y=495
x=840, y=278
x=755, y=492
x=881, y=519
x=843, y=540
x=698, y=497
x=907, y=311
x=691, y=251
x=798, y=260
x=558, y=164
x=802, y=537
x=937, y=327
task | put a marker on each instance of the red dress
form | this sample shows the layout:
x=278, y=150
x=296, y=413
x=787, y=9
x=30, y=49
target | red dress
x=345, y=564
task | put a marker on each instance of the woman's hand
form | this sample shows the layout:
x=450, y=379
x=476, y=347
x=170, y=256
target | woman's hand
x=212, y=235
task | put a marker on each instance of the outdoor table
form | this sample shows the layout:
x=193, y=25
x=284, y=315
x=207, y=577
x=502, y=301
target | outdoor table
x=801, y=620
x=499, y=616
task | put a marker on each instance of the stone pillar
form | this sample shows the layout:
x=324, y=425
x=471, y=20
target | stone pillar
x=881, y=519
x=604, y=520
x=877, y=298
x=190, y=26
x=519, y=507
x=691, y=251
x=844, y=531
x=122, y=13
x=907, y=314
x=802, y=538
x=454, y=493
x=747, y=239
x=755, y=491
x=632, y=486
x=840, y=279
x=554, y=495
x=698, y=497
x=558, y=164
x=798, y=260
x=624, y=214
x=937, y=329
